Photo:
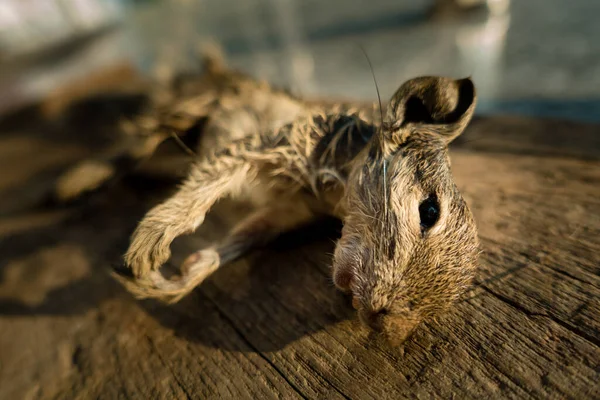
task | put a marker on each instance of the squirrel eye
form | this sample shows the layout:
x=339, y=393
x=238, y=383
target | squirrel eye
x=429, y=211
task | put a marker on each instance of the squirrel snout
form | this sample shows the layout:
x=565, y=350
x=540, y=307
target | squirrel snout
x=395, y=328
x=373, y=318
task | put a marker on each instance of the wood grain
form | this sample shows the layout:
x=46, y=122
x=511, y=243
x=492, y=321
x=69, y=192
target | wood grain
x=273, y=326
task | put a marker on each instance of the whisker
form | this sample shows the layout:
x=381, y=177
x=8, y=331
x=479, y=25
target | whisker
x=379, y=133
x=385, y=192
x=376, y=86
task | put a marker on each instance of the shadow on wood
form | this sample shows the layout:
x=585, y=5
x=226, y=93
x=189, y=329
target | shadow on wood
x=273, y=325
x=263, y=271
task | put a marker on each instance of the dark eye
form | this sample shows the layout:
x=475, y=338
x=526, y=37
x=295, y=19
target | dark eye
x=429, y=211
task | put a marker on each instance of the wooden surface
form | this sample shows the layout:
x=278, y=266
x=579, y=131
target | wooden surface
x=273, y=325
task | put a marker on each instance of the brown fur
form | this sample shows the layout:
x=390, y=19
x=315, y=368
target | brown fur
x=298, y=161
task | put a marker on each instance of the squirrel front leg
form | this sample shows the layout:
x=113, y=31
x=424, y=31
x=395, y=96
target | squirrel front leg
x=182, y=213
x=256, y=230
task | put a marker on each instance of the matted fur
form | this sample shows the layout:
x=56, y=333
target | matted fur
x=297, y=161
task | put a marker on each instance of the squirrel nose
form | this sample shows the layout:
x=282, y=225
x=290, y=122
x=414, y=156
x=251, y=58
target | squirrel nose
x=373, y=318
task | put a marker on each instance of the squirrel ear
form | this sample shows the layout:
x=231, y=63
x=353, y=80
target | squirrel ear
x=445, y=104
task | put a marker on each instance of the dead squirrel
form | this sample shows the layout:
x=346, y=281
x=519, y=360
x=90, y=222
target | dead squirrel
x=409, y=245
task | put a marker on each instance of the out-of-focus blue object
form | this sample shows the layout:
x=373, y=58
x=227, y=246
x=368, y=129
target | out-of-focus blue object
x=27, y=26
x=43, y=44
x=529, y=57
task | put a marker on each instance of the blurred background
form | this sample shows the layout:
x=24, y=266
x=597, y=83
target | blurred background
x=531, y=57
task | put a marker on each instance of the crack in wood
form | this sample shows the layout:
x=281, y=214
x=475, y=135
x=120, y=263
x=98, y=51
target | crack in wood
x=248, y=343
x=529, y=313
x=163, y=362
x=527, y=206
x=571, y=276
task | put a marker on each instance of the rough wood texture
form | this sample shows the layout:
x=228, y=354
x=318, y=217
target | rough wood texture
x=273, y=325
